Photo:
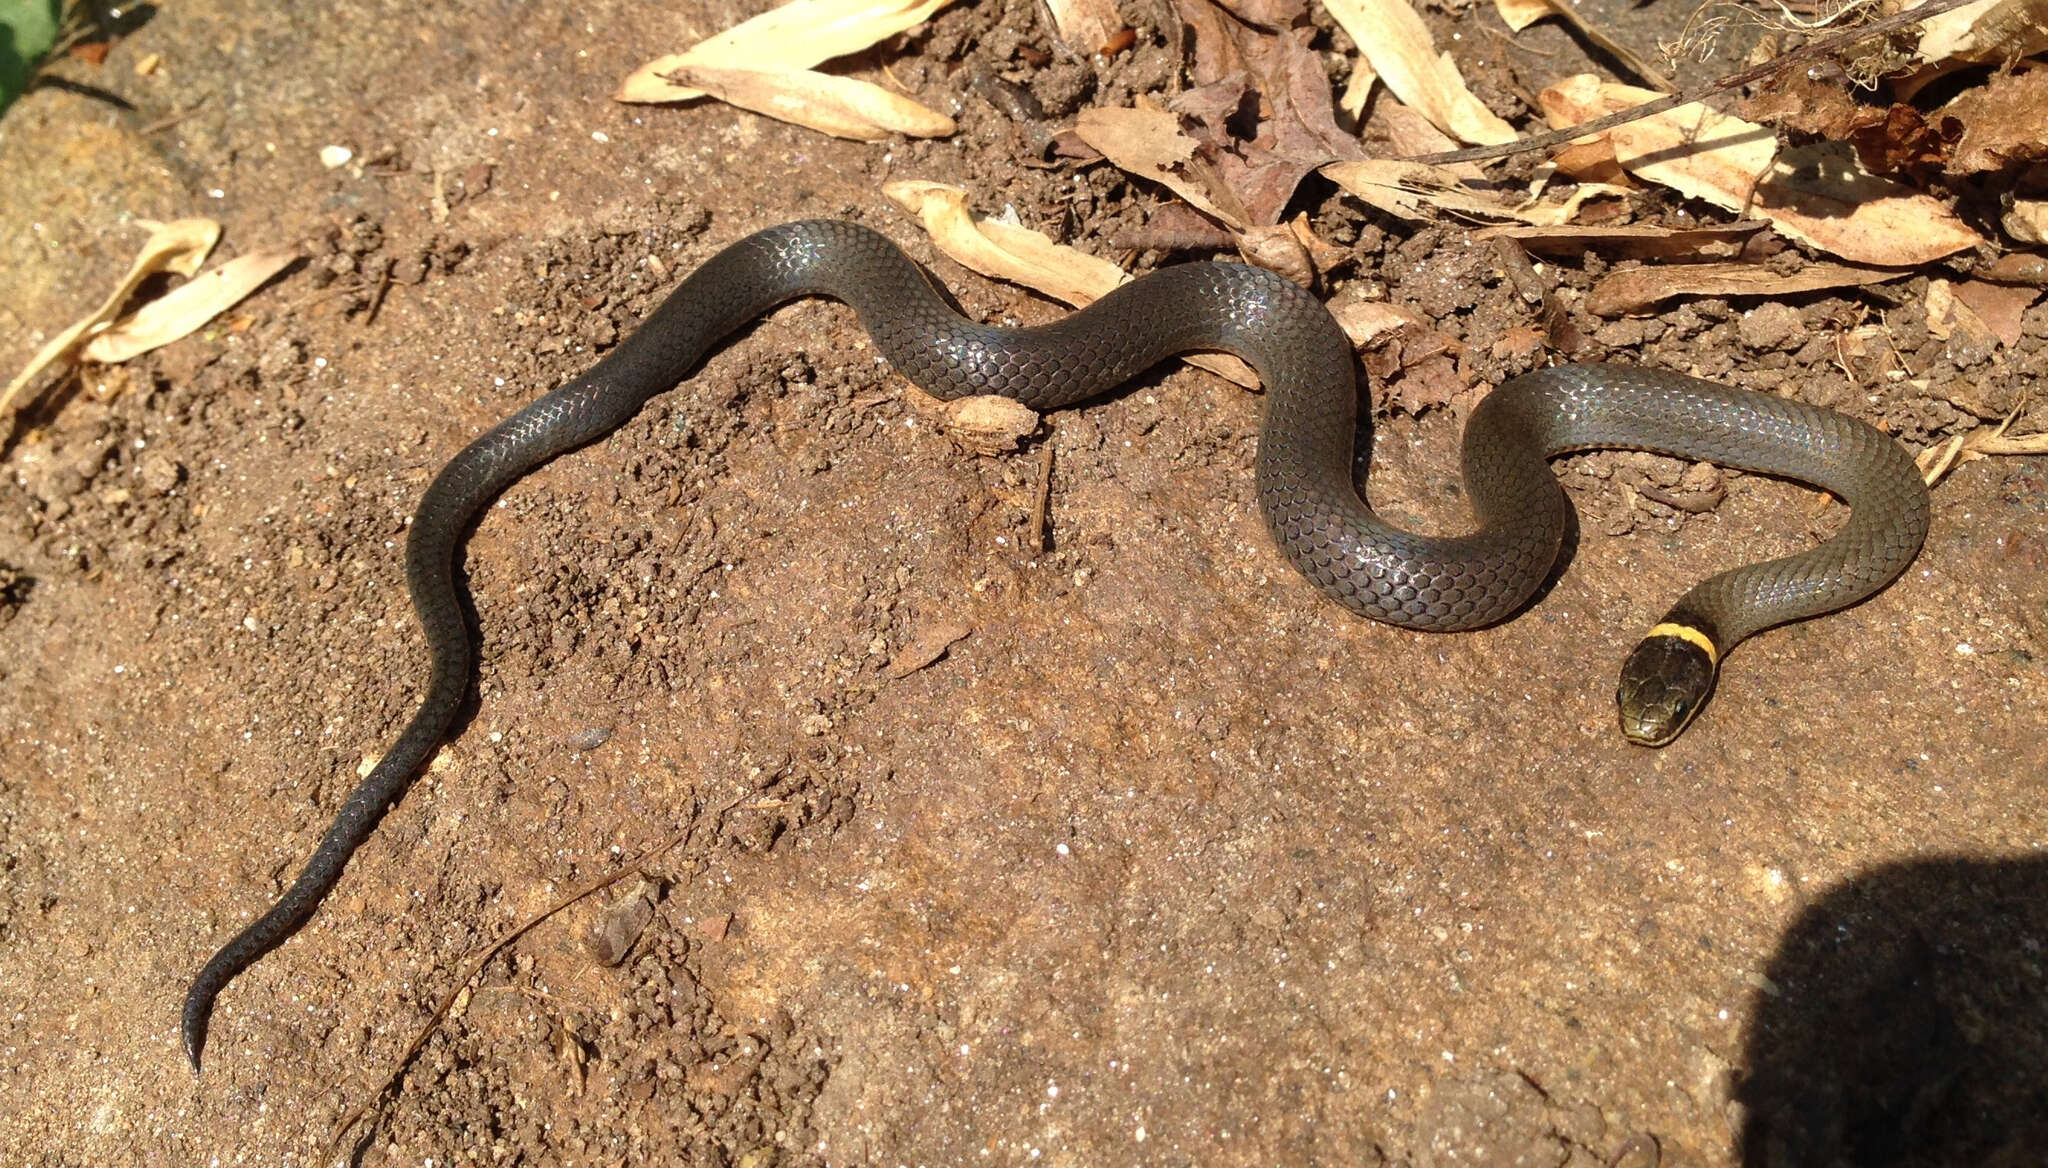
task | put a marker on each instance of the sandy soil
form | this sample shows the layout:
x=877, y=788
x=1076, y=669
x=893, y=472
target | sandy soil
x=1169, y=862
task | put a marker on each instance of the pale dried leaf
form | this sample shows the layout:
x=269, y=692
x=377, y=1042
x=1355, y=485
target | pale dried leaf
x=1391, y=36
x=1148, y=142
x=2027, y=220
x=797, y=35
x=1995, y=31
x=1086, y=25
x=1005, y=251
x=1819, y=197
x=179, y=246
x=186, y=309
x=1278, y=249
x=1358, y=88
x=1520, y=14
x=844, y=107
x=1368, y=322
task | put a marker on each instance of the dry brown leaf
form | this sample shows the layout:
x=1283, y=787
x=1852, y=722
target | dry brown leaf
x=844, y=107
x=796, y=35
x=1147, y=141
x=1815, y=195
x=1637, y=290
x=186, y=309
x=1005, y=251
x=1086, y=25
x=179, y=246
x=1641, y=241
x=1391, y=36
x=1259, y=118
x=1999, y=306
x=2003, y=124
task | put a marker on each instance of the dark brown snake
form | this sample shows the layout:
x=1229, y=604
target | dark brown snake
x=1304, y=479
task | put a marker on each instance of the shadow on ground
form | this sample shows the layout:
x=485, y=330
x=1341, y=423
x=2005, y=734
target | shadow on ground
x=1906, y=1023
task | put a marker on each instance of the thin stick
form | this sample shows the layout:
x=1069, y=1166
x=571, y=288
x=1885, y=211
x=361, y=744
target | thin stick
x=1824, y=47
x=483, y=958
x=1043, y=499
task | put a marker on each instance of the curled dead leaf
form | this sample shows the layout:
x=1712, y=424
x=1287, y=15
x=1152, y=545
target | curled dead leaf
x=179, y=246
x=186, y=309
x=1148, y=142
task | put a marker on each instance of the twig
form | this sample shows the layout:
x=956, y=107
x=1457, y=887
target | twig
x=1042, y=499
x=1824, y=47
x=483, y=958
x=377, y=298
x=169, y=120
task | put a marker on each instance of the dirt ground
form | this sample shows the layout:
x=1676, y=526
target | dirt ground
x=1170, y=861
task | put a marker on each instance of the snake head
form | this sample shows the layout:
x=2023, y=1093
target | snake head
x=1664, y=682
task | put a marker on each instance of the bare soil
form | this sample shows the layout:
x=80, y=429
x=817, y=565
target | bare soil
x=1170, y=861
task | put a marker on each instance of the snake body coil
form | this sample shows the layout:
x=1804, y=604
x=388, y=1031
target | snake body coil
x=1304, y=478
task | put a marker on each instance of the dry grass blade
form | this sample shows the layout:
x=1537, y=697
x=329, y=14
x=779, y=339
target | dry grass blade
x=1985, y=441
x=1407, y=189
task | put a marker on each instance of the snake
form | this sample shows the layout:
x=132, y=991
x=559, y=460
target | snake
x=1304, y=478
